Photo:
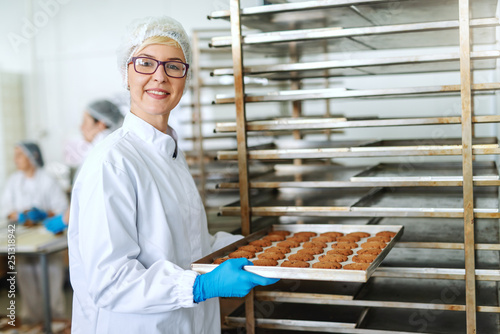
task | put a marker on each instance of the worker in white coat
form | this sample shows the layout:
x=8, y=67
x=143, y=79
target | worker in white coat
x=32, y=195
x=136, y=220
x=100, y=118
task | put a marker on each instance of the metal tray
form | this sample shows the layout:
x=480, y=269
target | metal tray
x=205, y=265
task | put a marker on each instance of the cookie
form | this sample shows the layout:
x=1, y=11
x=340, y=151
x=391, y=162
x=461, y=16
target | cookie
x=283, y=250
x=271, y=255
x=265, y=262
x=220, y=260
x=251, y=248
x=386, y=233
x=356, y=266
x=373, y=244
x=333, y=258
x=313, y=250
x=306, y=233
x=364, y=258
x=274, y=237
x=260, y=243
x=301, y=257
x=299, y=238
x=314, y=244
x=372, y=251
x=359, y=234
x=299, y=264
x=288, y=244
x=351, y=238
x=340, y=251
x=327, y=265
x=324, y=238
x=332, y=234
x=384, y=239
x=241, y=253
x=281, y=232
x=345, y=245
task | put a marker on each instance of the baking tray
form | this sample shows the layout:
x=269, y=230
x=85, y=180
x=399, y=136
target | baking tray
x=205, y=265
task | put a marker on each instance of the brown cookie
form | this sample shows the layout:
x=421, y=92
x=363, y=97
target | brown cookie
x=283, y=250
x=351, y=238
x=332, y=234
x=288, y=243
x=340, y=251
x=356, y=266
x=373, y=244
x=241, y=253
x=301, y=257
x=372, y=251
x=299, y=238
x=260, y=243
x=299, y=264
x=364, y=258
x=314, y=244
x=386, y=233
x=281, y=232
x=384, y=239
x=333, y=258
x=220, y=260
x=327, y=265
x=265, y=262
x=345, y=245
x=271, y=255
x=312, y=251
x=306, y=233
x=359, y=234
x=274, y=237
x=251, y=248
x=324, y=238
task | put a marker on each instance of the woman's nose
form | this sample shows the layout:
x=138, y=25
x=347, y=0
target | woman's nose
x=160, y=75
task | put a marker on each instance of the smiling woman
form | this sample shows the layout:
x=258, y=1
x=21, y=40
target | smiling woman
x=137, y=221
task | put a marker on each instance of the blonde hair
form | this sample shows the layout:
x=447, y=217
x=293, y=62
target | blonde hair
x=159, y=40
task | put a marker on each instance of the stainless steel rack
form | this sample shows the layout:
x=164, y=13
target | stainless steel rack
x=454, y=187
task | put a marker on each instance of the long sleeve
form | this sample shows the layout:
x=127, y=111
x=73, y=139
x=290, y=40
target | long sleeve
x=104, y=211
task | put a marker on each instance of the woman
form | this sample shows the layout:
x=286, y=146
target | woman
x=33, y=195
x=137, y=221
x=99, y=120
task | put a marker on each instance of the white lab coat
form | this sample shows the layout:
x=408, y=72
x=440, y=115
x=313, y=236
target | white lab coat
x=22, y=193
x=136, y=225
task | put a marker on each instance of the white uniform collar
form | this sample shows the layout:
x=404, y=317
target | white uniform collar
x=165, y=142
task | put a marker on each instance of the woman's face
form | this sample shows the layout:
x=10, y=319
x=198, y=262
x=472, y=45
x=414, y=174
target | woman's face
x=90, y=128
x=155, y=94
x=22, y=162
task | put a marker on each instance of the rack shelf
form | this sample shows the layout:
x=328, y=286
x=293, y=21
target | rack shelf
x=444, y=189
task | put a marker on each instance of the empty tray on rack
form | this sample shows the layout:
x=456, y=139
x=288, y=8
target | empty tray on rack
x=205, y=264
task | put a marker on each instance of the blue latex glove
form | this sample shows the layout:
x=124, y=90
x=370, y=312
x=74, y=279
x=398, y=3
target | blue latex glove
x=229, y=279
x=36, y=214
x=55, y=224
x=21, y=218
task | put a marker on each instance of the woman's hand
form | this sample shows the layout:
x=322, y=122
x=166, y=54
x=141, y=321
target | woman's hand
x=229, y=279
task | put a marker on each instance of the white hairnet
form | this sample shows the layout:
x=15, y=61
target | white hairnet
x=142, y=29
x=106, y=112
x=32, y=151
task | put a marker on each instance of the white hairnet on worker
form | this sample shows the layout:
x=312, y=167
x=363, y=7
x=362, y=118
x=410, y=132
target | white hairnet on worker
x=106, y=112
x=32, y=151
x=142, y=29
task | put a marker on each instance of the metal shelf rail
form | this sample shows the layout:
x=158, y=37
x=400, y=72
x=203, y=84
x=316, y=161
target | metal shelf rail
x=467, y=191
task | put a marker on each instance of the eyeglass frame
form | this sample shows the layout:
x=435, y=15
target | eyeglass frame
x=160, y=63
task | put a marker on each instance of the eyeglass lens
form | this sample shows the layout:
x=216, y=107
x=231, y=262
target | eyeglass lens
x=148, y=66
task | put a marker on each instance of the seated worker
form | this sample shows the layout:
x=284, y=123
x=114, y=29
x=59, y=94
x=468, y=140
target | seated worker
x=31, y=195
x=100, y=118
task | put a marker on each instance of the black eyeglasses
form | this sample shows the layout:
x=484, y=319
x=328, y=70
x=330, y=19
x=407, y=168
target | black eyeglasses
x=173, y=68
